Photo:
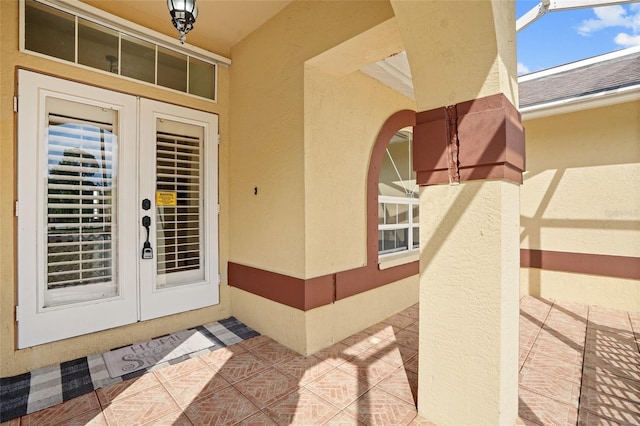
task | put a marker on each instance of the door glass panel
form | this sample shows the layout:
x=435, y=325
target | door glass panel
x=179, y=195
x=81, y=152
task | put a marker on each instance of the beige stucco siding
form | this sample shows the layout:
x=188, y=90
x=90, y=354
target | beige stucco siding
x=343, y=117
x=580, y=195
x=302, y=130
x=281, y=118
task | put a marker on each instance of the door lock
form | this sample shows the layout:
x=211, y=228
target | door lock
x=147, y=251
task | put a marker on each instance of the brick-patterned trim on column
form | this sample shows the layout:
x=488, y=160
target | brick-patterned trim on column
x=478, y=139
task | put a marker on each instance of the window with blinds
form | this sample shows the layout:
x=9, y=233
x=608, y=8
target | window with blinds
x=80, y=201
x=179, y=227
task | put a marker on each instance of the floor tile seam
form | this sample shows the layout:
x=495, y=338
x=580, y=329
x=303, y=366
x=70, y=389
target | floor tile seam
x=606, y=343
x=147, y=422
x=610, y=325
x=253, y=376
x=358, y=347
x=251, y=348
x=262, y=410
x=554, y=364
x=60, y=422
x=575, y=404
x=530, y=421
x=178, y=402
x=577, y=407
x=153, y=422
x=603, y=415
x=608, y=395
x=636, y=333
x=392, y=340
x=232, y=381
x=372, y=383
x=564, y=328
x=582, y=367
x=340, y=413
x=408, y=347
x=333, y=367
x=614, y=356
x=535, y=338
x=333, y=404
x=373, y=358
x=272, y=363
x=632, y=359
x=364, y=395
x=561, y=337
x=368, y=354
x=608, y=335
x=250, y=398
x=114, y=401
x=144, y=389
x=582, y=410
x=193, y=421
x=177, y=376
x=379, y=388
x=563, y=347
x=613, y=373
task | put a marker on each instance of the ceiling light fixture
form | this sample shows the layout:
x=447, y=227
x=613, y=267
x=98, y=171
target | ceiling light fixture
x=183, y=16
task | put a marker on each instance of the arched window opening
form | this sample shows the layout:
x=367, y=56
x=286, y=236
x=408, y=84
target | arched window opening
x=398, y=204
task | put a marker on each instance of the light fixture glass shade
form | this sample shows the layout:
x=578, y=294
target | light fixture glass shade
x=183, y=15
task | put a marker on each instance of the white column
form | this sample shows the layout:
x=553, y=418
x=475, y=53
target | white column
x=469, y=294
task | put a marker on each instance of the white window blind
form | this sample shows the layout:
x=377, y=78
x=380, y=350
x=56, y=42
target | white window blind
x=80, y=201
x=179, y=227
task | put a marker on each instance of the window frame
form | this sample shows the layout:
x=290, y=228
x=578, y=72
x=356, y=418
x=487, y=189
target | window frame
x=410, y=225
x=123, y=27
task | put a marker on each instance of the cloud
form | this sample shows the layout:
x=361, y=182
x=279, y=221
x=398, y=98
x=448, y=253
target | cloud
x=627, y=40
x=522, y=68
x=612, y=16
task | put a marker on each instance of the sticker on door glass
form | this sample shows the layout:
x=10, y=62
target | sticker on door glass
x=166, y=198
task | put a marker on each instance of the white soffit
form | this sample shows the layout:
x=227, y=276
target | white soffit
x=393, y=72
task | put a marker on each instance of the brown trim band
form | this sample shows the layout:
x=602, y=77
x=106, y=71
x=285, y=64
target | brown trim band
x=478, y=139
x=582, y=263
x=295, y=292
x=306, y=294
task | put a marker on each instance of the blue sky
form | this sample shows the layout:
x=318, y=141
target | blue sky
x=566, y=36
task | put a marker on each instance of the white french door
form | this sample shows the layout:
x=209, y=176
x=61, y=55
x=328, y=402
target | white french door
x=87, y=158
x=175, y=145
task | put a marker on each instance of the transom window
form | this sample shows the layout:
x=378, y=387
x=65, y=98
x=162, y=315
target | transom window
x=398, y=226
x=66, y=35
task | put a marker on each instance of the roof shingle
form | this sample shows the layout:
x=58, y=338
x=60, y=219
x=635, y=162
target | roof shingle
x=592, y=78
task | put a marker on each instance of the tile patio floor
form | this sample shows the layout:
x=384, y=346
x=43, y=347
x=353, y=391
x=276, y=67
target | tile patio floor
x=578, y=365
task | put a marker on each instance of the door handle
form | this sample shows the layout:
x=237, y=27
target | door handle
x=147, y=251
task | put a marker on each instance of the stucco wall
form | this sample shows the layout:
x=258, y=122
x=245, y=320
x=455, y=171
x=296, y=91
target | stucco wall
x=271, y=129
x=13, y=362
x=302, y=130
x=343, y=117
x=580, y=195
